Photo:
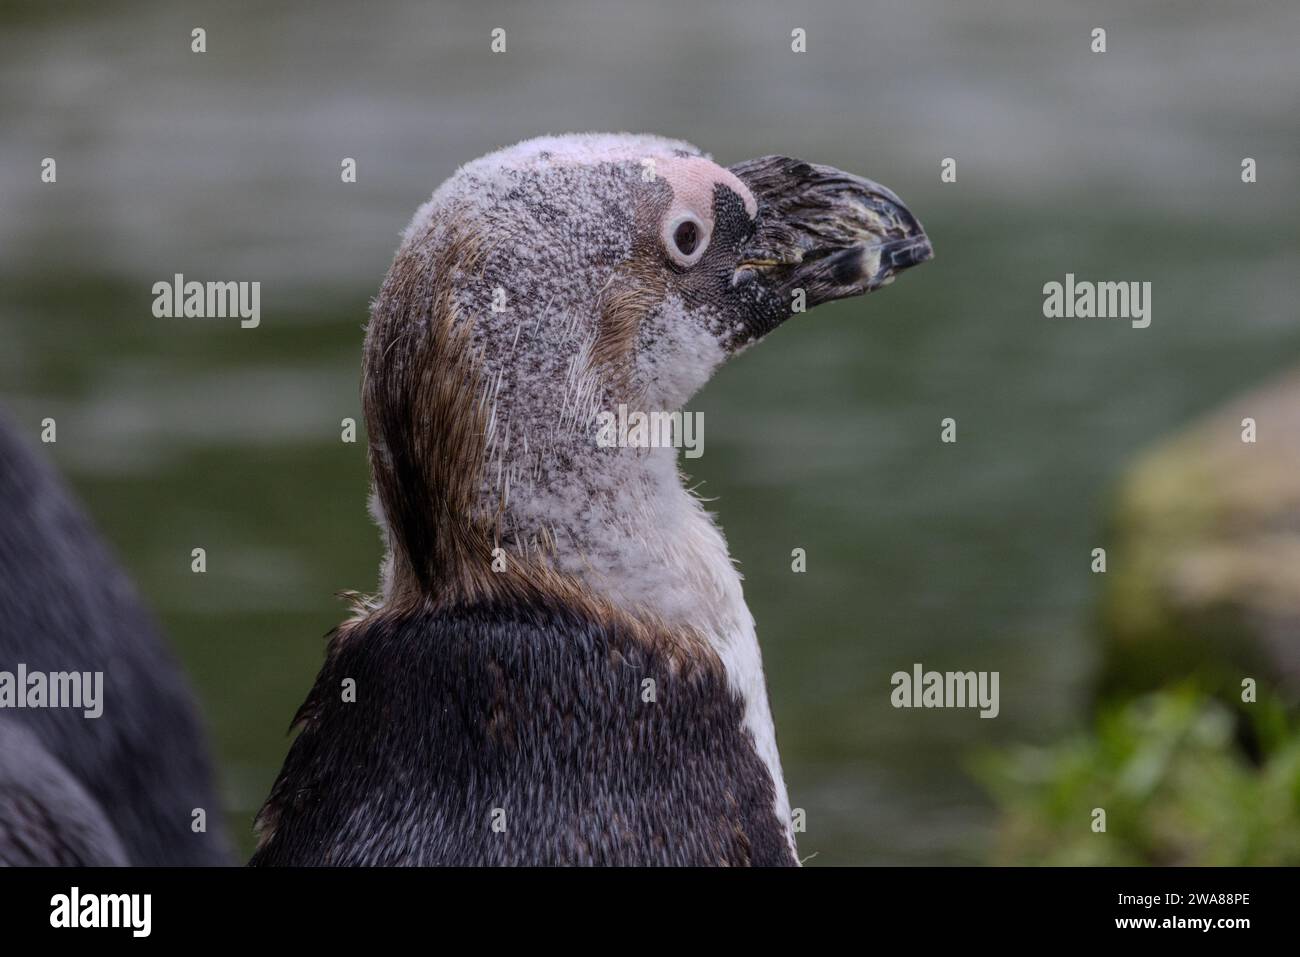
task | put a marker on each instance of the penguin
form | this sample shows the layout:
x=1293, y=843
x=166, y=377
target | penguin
x=46, y=817
x=116, y=788
x=559, y=667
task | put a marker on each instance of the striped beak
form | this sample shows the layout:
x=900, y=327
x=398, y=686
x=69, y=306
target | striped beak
x=825, y=231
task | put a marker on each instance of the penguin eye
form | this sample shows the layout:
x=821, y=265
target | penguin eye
x=686, y=237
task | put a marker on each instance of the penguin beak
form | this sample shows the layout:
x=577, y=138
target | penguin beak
x=825, y=231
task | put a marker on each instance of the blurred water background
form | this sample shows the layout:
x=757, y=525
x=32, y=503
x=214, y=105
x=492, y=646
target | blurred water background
x=1122, y=166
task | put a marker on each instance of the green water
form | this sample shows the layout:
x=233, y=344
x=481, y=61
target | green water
x=971, y=555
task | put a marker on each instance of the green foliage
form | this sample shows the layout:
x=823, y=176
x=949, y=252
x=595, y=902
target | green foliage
x=1173, y=779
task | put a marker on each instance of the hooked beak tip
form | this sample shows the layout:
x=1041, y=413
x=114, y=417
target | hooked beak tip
x=881, y=264
x=895, y=241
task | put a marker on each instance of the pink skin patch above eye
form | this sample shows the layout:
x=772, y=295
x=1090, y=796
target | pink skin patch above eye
x=693, y=179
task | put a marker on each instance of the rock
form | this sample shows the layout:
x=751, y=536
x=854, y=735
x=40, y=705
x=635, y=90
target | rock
x=1203, y=574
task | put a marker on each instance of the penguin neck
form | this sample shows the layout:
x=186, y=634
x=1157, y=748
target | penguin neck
x=622, y=524
x=625, y=525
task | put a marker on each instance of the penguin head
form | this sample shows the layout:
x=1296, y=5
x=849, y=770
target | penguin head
x=566, y=275
x=649, y=256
